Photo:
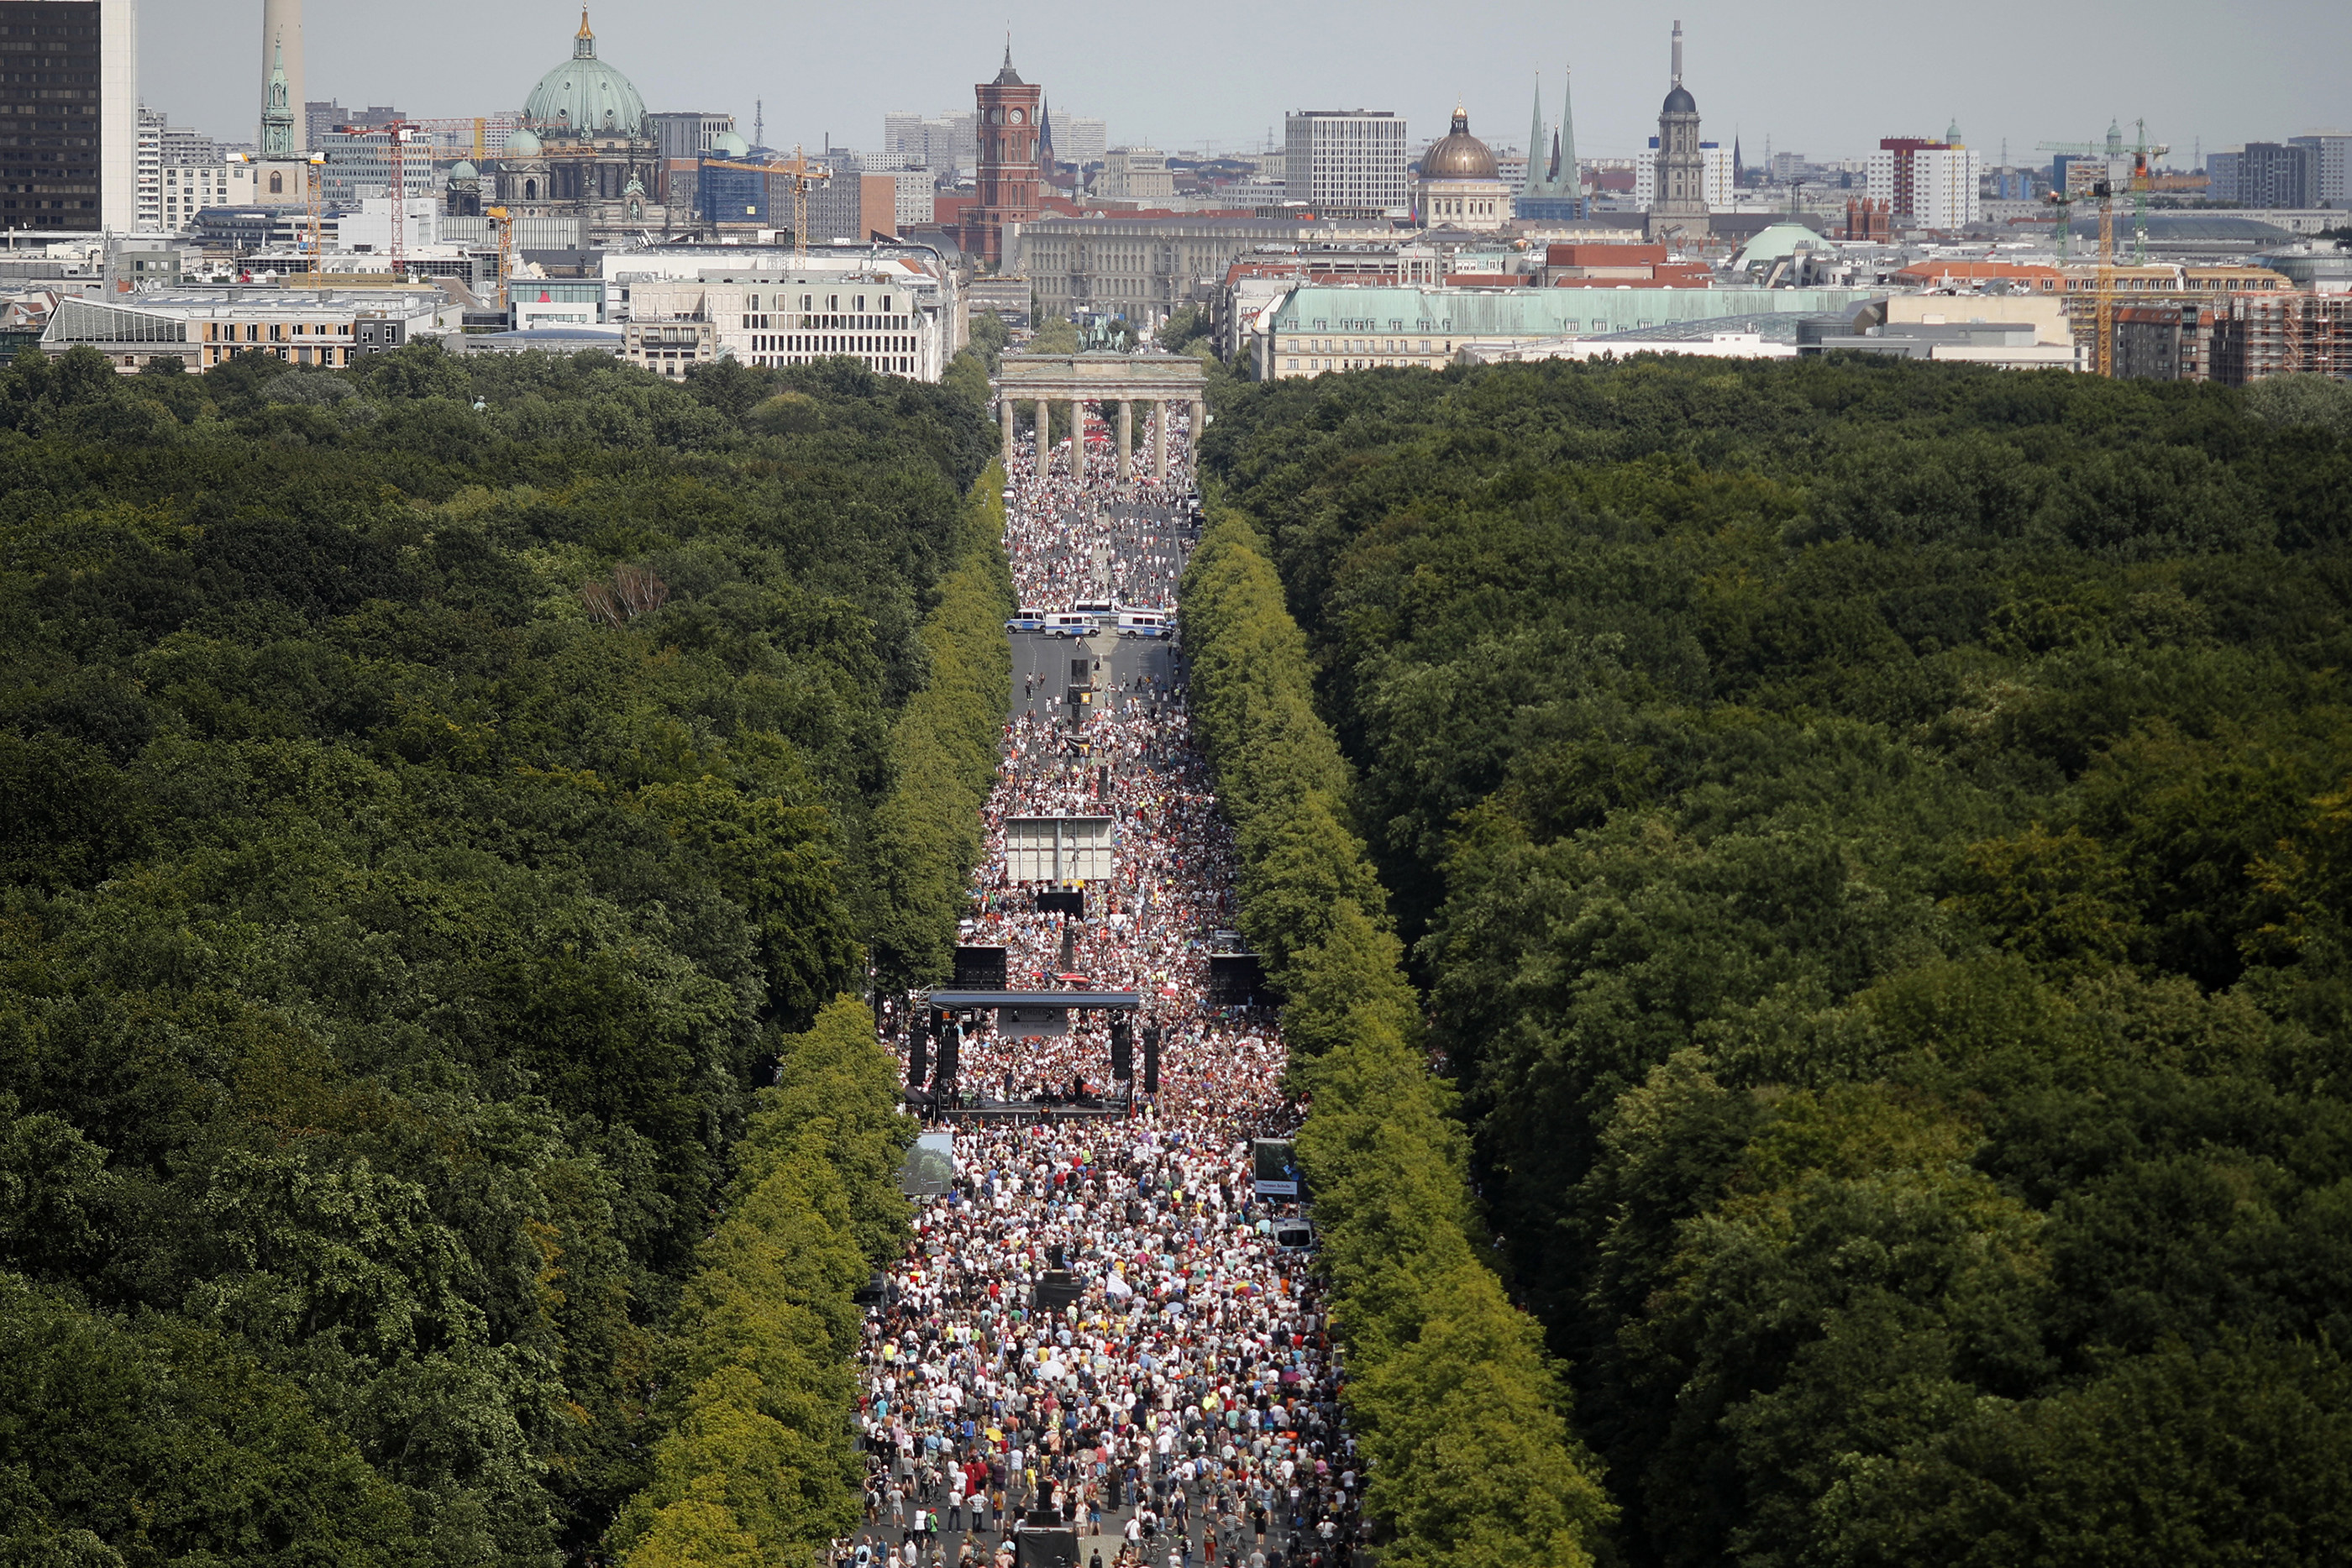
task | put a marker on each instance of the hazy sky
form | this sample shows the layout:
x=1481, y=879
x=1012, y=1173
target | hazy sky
x=1827, y=82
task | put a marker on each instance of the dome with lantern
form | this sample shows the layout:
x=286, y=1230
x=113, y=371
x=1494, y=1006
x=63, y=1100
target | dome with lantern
x=1458, y=155
x=584, y=96
x=1460, y=185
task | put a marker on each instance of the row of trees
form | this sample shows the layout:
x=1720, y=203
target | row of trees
x=1873, y=836
x=944, y=742
x=427, y=825
x=756, y=1464
x=1459, y=1411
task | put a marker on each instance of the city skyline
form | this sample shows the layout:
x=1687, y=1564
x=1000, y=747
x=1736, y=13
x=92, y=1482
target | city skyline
x=2272, y=73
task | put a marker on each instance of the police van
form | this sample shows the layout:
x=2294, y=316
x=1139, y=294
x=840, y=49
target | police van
x=1069, y=624
x=1026, y=621
x=1143, y=622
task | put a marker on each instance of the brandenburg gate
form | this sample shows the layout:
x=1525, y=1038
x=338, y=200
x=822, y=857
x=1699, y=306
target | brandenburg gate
x=1157, y=381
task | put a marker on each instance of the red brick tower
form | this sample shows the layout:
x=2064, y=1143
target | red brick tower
x=1008, y=162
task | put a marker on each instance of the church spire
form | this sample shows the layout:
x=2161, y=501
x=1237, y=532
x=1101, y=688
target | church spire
x=1571, y=179
x=276, y=107
x=1538, y=175
x=583, y=42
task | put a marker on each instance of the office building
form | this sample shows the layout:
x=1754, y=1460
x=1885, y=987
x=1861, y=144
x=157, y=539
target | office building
x=356, y=166
x=912, y=196
x=1891, y=174
x=2276, y=174
x=185, y=144
x=1946, y=190
x=1135, y=173
x=147, y=213
x=70, y=146
x=942, y=143
x=282, y=51
x=887, y=315
x=1679, y=211
x=1080, y=141
x=684, y=135
x=322, y=118
x=2221, y=176
x=1345, y=162
x=854, y=204
x=684, y=138
x=188, y=188
x=2330, y=151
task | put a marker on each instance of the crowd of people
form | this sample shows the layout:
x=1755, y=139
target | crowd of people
x=1099, y=1328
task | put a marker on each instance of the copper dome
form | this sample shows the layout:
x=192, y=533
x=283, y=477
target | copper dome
x=1458, y=155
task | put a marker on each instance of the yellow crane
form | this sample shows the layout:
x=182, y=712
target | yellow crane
x=2104, y=353
x=2111, y=152
x=318, y=254
x=503, y=220
x=803, y=174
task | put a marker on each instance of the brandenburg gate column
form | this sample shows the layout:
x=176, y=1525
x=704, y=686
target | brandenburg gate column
x=1004, y=408
x=1126, y=440
x=1160, y=439
x=1193, y=429
x=1045, y=439
x=1077, y=442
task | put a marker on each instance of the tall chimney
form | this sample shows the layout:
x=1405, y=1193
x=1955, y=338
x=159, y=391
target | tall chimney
x=281, y=23
x=1678, y=52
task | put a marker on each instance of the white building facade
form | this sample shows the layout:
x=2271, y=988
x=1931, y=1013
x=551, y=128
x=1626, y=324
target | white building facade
x=1136, y=173
x=149, y=217
x=1944, y=182
x=883, y=317
x=1944, y=191
x=913, y=200
x=1080, y=139
x=189, y=188
x=1345, y=161
x=118, y=115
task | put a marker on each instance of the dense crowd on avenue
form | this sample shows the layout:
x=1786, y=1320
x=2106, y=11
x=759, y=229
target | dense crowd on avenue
x=1183, y=1410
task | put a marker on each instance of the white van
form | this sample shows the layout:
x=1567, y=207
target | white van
x=1143, y=623
x=1069, y=624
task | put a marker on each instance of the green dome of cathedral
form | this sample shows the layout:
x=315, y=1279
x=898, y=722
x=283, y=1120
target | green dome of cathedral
x=585, y=95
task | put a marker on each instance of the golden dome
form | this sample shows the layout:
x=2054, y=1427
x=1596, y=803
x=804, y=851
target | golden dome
x=1458, y=155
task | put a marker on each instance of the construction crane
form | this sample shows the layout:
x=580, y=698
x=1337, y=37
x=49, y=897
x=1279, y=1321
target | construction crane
x=395, y=133
x=475, y=128
x=802, y=173
x=316, y=160
x=2114, y=151
x=2065, y=202
x=2104, y=352
x=503, y=222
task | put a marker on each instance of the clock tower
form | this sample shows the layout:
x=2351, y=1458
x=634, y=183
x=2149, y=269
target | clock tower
x=1007, y=133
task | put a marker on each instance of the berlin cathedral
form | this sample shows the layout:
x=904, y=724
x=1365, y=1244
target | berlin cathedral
x=584, y=150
